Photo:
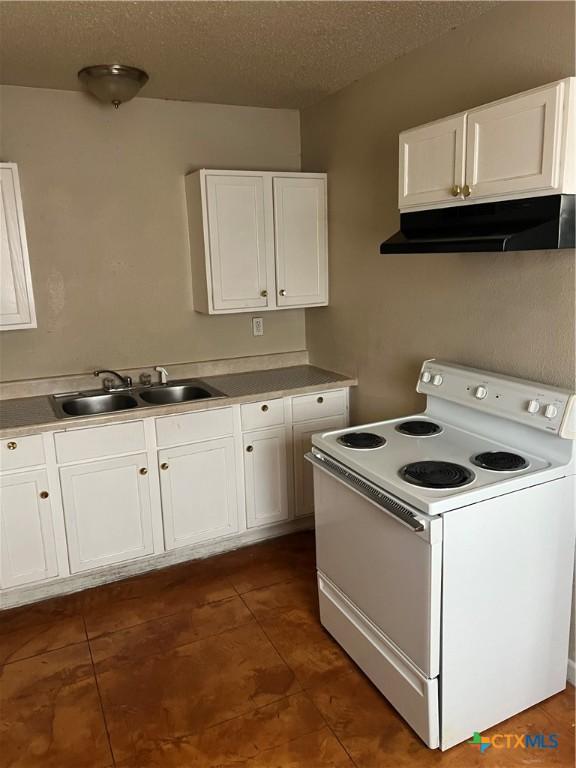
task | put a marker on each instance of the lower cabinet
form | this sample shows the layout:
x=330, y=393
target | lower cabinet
x=199, y=492
x=107, y=511
x=302, y=441
x=28, y=550
x=265, y=474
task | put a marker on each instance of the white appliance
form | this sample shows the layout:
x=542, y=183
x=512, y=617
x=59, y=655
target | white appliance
x=445, y=548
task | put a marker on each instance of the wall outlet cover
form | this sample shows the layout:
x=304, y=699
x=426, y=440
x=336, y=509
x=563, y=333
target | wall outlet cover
x=257, y=326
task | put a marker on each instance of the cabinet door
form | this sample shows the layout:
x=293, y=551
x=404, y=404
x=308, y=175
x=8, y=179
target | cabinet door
x=107, y=511
x=238, y=241
x=16, y=298
x=199, y=492
x=514, y=145
x=265, y=469
x=431, y=162
x=28, y=551
x=303, y=480
x=301, y=241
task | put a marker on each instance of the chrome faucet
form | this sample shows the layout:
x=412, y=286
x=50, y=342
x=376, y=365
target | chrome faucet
x=108, y=384
x=163, y=378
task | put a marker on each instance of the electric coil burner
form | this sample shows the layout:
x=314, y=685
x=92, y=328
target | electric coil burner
x=500, y=461
x=361, y=440
x=419, y=428
x=436, y=474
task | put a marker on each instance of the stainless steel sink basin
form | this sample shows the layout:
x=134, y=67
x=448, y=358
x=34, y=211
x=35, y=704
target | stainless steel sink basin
x=174, y=393
x=93, y=402
x=87, y=405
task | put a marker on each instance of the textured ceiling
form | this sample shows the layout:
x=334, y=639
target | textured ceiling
x=274, y=54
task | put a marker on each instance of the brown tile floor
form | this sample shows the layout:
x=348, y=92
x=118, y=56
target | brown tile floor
x=214, y=664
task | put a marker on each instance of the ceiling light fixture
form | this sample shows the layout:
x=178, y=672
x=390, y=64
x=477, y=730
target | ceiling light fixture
x=113, y=83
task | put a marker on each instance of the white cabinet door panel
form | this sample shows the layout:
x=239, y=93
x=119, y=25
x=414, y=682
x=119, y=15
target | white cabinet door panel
x=300, y=219
x=199, y=492
x=28, y=551
x=514, y=145
x=303, y=476
x=238, y=243
x=107, y=511
x=431, y=162
x=265, y=468
x=16, y=297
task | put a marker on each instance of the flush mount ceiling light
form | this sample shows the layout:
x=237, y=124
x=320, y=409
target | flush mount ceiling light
x=113, y=83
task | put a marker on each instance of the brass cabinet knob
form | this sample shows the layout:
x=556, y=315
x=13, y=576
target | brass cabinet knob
x=456, y=190
x=466, y=190
x=264, y=294
x=320, y=400
x=164, y=465
x=249, y=448
x=12, y=446
x=143, y=471
x=282, y=292
x=44, y=494
x=264, y=408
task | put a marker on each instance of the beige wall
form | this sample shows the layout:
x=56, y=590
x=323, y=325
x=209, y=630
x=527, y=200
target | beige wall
x=104, y=204
x=506, y=312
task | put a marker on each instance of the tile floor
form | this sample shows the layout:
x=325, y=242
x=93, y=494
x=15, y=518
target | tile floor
x=214, y=664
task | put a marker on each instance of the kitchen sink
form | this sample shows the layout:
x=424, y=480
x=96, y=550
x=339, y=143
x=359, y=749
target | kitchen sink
x=174, y=393
x=87, y=405
x=94, y=402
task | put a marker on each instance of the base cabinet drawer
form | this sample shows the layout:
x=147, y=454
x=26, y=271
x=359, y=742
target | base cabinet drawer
x=99, y=442
x=199, y=492
x=107, y=511
x=265, y=475
x=28, y=551
x=21, y=452
x=320, y=405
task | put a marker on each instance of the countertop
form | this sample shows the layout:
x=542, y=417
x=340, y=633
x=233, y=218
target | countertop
x=32, y=415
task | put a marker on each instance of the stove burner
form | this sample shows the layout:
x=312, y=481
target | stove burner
x=362, y=440
x=419, y=428
x=500, y=461
x=436, y=474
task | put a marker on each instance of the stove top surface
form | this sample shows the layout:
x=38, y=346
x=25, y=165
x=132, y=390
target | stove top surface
x=436, y=466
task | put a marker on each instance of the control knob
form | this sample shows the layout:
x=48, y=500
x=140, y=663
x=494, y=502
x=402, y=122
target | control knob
x=437, y=379
x=480, y=393
x=550, y=411
x=426, y=377
x=533, y=406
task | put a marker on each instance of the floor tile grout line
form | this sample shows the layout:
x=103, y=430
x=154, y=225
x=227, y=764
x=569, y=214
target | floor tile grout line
x=159, y=618
x=102, y=710
x=175, y=647
x=43, y=652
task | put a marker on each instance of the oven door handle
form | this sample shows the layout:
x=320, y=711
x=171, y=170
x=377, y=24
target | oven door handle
x=388, y=504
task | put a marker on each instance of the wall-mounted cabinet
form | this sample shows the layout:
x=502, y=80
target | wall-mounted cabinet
x=258, y=240
x=16, y=298
x=521, y=146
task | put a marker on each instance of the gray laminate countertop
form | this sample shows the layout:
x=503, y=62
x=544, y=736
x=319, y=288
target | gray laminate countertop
x=31, y=415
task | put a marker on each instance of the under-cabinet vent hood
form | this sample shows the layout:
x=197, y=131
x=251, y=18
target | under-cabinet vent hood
x=534, y=223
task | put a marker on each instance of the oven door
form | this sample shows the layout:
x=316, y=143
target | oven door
x=387, y=566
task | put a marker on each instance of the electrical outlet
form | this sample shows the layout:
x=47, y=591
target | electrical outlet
x=257, y=326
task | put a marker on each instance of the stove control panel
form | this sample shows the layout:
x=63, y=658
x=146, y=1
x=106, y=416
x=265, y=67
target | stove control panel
x=537, y=405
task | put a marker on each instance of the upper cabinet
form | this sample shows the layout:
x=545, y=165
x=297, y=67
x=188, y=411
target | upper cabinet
x=521, y=146
x=432, y=162
x=258, y=240
x=16, y=297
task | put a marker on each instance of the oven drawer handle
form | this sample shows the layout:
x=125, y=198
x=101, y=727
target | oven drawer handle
x=391, y=506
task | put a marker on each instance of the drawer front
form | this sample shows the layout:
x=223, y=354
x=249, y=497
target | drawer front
x=114, y=439
x=319, y=405
x=21, y=452
x=194, y=427
x=268, y=413
x=413, y=695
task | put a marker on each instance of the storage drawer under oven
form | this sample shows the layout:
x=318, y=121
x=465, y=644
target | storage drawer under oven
x=391, y=571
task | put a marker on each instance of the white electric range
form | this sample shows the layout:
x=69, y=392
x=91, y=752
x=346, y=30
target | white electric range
x=445, y=548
